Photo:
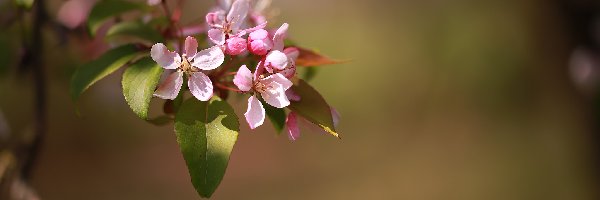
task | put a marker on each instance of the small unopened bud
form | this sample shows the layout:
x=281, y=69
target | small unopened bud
x=235, y=46
x=259, y=42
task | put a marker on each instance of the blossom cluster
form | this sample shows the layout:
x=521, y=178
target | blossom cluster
x=238, y=32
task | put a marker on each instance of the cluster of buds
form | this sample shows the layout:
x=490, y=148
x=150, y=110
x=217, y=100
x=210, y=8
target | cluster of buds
x=238, y=34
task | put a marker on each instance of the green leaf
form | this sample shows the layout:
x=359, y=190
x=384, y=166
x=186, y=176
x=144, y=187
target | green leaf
x=206, y=133
x=134, y=29
x=105, y=9
x=139, y=82
x=178, y=101
x=91, y=72
x=25, y=4
x=313, y=107
x=276, y=115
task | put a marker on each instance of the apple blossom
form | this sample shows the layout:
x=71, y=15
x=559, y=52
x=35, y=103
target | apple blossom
x=190, y=63
x=280, y=60
x=271, y=89
x=225, y=30
x=224, y=27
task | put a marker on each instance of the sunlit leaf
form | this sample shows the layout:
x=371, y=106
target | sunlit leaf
x=139, y=82
x=105, y=9
x=310, y=58
x=128, y=30
x=206, y=133
x=91, y=72
x=313, y=107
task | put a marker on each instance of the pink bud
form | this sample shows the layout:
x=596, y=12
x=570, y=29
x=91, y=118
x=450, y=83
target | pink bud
x=260, y=47
x=258, y=35
x=259, y=42
x=235, y=46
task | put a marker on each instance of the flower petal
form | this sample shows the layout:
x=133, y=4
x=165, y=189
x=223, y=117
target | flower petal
x=260, y=69
x=237, y=14
x=169, y=88
x=165, y=58
x=280, y=79
x=191, y=46
x=250, y=30
x=292, y=52
x=279, y=36
x=208, y=59
x=216, y=36
x=200, y=86
x=243, y=79
x=275, y=96
x=291, y=126
x=216, y=18
x=276, y=59
x=255, y=115
x=258, y=34
x=336, y=117
x=224, y=4
x=292, y=96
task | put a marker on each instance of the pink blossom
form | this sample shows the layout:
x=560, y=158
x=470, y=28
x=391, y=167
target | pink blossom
x=281, y=60
x=271, y=89
x=190, y=63
x=259, y=42
x=256, y=9
x=223, y=27
x=235, y=46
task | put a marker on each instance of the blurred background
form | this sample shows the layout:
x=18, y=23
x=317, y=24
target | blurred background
x=458, y=99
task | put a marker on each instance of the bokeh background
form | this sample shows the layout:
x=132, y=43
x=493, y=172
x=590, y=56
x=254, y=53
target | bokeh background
x=462, y=99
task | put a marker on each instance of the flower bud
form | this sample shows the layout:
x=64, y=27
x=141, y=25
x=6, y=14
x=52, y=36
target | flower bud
x=259, y=42
x=235, y=46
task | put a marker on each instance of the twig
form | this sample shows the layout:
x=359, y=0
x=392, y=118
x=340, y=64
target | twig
x=36, y=47
x=219, y=85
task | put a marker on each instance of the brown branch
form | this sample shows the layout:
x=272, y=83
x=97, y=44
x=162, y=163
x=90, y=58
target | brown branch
x=36, y=64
